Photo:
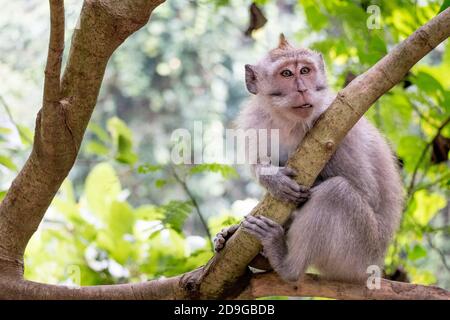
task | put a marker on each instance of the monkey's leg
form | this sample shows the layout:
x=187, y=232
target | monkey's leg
x=335, y=231
x=271, y=236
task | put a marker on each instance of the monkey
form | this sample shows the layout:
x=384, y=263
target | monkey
x=342, y=224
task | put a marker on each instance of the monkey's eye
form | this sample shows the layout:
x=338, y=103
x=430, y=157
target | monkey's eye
x=287, y=73
x=304, y=70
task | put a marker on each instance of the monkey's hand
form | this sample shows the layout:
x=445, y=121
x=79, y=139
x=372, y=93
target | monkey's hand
x=280, y=184
x=271, y=235
x=223, y=236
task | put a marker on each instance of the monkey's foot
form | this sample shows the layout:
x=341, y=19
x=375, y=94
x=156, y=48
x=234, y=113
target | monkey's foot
x=223, y=236
x=269, y=233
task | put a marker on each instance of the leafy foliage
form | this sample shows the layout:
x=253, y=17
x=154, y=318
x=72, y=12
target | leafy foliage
x=226, y=171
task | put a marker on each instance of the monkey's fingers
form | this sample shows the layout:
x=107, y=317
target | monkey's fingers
x=269, y=222
x=257, y=221
x=286, y=193
x=290, y=183
x=223, y=236
x=232, y=229
x=288, y=172
x=254, y=229
x=219, y=242
x=288, y=196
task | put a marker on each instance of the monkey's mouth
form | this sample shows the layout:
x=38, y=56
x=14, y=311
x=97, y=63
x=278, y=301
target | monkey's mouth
x=303, y=106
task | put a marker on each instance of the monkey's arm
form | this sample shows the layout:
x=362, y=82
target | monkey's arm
x=280, y=183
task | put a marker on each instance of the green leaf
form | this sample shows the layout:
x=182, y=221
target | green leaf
x=147, y=168
x=408, y=151
x=2, y=194
x=427, y=206
x=175, y=214
x=101, y=188
x=99, y=132
x=26, y=135
x=444, y=6
x=122, y=140
x=97, y=148
x=226, y=171
x=160, y=183
x=315, y=18
x=121, y=219
x=7, y=162
x=5, y=131
x=427, y=82
x=149, y=213
x=417, y=252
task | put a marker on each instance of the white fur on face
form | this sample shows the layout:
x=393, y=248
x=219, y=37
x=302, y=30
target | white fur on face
x=291, y=93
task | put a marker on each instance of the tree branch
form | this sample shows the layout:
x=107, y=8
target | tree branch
x=55, y=51
x=164, y=289
x=260, y=285
x=267, y=284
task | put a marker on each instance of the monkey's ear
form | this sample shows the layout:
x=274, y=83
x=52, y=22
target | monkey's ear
x=283, y=43
x=321, y=61
x=250, y=79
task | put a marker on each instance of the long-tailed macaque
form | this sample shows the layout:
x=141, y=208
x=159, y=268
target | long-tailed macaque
x=343, y=224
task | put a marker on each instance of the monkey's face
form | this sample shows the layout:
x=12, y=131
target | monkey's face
x=294, y=85
x=291, y=81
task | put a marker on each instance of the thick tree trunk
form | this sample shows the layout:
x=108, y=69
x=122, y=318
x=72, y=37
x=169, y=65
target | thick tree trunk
x=62, y=121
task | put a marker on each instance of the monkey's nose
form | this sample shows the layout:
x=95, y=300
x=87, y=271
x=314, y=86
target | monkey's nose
x=302, y=90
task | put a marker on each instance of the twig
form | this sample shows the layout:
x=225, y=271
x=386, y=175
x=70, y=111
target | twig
x=433, y=183
x=195, y=204
x=439, y=252
x=422, y=116
x=422, y=156
x=11, y=119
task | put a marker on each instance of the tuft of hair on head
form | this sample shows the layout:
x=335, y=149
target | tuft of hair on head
x=283, y=47
x=283, y=44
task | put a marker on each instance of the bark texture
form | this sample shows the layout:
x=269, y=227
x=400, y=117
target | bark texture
x=68, y=103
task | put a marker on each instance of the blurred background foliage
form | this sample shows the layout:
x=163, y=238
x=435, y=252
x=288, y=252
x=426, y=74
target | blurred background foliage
x=127, y=214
